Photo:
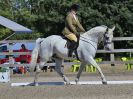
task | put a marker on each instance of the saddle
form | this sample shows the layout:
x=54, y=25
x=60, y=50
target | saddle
x=68, y=42
x=72, y=47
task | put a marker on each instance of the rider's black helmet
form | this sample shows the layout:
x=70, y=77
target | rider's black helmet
x=75, y=7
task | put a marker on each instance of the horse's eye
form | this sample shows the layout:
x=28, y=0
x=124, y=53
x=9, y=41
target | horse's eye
x=106, y=36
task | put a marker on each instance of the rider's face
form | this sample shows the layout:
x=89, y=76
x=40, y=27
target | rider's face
x=73, y=11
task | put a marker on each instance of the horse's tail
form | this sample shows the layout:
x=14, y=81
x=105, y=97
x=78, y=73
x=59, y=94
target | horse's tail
x=34, y=55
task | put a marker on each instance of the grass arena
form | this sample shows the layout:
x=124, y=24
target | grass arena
x=88, y=91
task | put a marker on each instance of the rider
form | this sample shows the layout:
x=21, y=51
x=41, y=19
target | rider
x=72, y=28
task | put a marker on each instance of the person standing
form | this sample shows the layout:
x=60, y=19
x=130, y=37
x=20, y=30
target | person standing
x=24, y=58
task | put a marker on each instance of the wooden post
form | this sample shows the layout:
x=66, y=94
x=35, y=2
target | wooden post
x=112, y=57
x=130, y=55
x=11, y=60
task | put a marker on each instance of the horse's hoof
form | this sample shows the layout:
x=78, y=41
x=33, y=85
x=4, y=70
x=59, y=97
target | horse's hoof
x=104, y=82
x=67, y=83
x=34, y=84
x=76, y=81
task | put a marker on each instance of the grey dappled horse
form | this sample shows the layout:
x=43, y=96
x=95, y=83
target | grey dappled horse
x=55, y=45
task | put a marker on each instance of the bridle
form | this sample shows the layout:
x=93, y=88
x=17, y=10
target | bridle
x=106, y=38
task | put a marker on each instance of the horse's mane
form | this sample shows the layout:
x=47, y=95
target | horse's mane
x=94, y=30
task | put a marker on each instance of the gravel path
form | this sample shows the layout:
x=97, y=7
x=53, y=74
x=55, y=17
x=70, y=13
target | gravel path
x=124, y=91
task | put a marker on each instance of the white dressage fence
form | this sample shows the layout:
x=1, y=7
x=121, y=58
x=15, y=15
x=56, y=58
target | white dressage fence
x=73, y=83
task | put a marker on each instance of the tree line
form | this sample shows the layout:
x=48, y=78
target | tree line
x=46, y=17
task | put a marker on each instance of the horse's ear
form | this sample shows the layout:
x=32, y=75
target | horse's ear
x=113, y=28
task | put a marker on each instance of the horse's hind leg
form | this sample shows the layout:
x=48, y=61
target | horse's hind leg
x=59, y=70
x=79, y=72
x=37, y=71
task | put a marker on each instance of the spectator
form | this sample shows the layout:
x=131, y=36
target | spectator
x=24, y=58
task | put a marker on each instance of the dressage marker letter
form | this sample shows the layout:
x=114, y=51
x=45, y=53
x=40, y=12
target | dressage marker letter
x=4, y=76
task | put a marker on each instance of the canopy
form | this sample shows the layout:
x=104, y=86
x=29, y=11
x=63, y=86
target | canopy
x=17, y=28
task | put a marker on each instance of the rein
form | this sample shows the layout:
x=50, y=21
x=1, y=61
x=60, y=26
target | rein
x=94, y=41
x=88, y=39
x=89, y=42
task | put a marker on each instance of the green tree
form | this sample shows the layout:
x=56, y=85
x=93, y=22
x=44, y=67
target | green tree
x=46, y=17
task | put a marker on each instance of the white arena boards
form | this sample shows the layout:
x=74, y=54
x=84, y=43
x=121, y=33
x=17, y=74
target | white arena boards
x=72, y=83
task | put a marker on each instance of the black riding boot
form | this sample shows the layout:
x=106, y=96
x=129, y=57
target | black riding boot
x=72, y=47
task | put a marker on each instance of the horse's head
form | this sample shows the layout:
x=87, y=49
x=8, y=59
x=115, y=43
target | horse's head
x=98, y=34
x=108, y=36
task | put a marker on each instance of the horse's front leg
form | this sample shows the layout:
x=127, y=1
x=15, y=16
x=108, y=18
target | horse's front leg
x=79, y=72
x=93, y=62
x=60, y=71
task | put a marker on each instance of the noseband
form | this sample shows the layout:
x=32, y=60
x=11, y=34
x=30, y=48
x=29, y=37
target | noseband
x=106, y=37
